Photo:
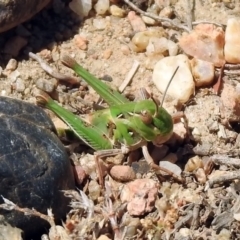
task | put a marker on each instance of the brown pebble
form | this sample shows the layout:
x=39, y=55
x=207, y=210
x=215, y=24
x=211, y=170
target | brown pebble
x=125, y=50
x=80, y=42
x=107, y=53
x=122, y=173
x=136, y=22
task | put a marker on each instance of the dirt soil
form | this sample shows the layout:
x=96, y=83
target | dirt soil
x=52, y=33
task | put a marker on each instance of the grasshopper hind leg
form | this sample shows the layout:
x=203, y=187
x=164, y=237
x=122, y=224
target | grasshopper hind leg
x=104, y=153
x=155, y=167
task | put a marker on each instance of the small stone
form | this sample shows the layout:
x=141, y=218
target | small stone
x=158, y=46
x=171, y=167
x=232, y=44
x=102, y=6
x=201, y=176
x=182, y=85
x=125, y=50
x=107, y=53
x=11, y=66
x=89, y=165
x=81, y=8
x=140, y=195
x=141, y=40
x=185, y=232
x=193, y=164
x=100, y=23
x=148, y=20
x=13, y=75
x=230, y=98
x=94, y=190
x=122, y=173
x=203, y=72
x=14, y=45
x=136, y=22
x=80, y=42
x=205, y=42
x=167, y=12
x=46, y=85
x=117, y=11
x=20, y=85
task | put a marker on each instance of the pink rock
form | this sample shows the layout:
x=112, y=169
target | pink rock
x=230, y=97
x=205, y=42
x=141, y=196
x=136, y=22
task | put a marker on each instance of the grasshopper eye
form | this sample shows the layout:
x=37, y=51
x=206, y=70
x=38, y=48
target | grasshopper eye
x=146, y=117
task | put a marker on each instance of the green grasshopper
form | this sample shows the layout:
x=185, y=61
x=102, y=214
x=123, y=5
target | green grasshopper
x=123, y=127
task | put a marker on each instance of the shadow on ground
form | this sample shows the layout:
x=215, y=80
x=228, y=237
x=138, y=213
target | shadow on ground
x=53, y=24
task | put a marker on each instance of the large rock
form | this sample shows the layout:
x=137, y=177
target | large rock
x=34, y=166
x=14, y=12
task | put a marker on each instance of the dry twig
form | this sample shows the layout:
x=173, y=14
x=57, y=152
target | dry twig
x=164, y=21
x=129, y=76
x=53, y=73
x=8, y=205
x=169, y=22
x=225, y=160
x=223, y=178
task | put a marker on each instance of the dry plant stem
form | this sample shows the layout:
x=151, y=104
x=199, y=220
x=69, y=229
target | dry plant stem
x=189, y=13
x=225, y=160
x=232, y=66
x=208, y=22
x=155, y=166
x=53, y=73
x=129, y=76
x=101, y=154
x=32, y=212
x=195, y=217
x=217, y=85
x=157, y=18
x=168, y=22
x=183, y=221
x=224, y=178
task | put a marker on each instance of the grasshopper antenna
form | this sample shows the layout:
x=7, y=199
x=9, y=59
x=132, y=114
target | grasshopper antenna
x=165, y=92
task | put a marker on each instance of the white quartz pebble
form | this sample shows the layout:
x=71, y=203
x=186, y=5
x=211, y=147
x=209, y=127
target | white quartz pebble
x=232, y=43
x=203, y=72
x=182, y=86
x=102, y=6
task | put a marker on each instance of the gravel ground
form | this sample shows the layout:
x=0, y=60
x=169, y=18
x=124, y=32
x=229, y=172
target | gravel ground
x=104, y=51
